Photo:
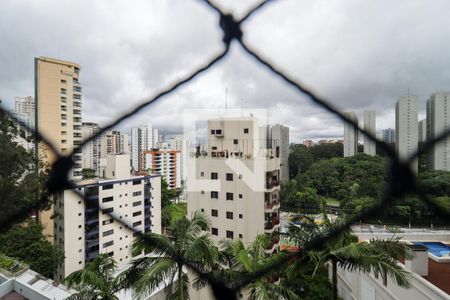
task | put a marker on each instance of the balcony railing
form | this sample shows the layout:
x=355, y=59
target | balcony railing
x=270, y=224
x=272, y=242
x=270, y=205
x=272, y=183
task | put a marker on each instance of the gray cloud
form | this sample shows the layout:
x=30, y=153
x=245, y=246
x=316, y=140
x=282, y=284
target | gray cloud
x=358, y=54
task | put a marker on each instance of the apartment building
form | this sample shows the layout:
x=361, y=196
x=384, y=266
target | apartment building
x=350, y=136
x=370, y=126
x=91, y=151
x=388, y=135
x=58, y=116
x=238, y=182
x=422, y=133
x=25, y=110
x=164, y=162
x=278, y=135
x=83, y=229
x=406, y=128
x=143, y=138
x=308, y=143
x=438, y=121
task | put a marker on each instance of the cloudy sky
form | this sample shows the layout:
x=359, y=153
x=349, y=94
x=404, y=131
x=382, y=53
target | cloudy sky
x=357, y=54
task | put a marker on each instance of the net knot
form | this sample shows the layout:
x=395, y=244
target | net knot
x=231, y=28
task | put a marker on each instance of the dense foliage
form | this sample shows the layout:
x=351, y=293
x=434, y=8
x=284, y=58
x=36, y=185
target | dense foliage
x=27, y=243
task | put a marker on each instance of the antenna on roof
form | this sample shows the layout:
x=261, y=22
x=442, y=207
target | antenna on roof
x=226, y=98
x=242, y=114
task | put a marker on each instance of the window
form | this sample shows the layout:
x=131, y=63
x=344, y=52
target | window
x=137, y=213
x=214, y=231
x=137, y=193
x=214, y=176
x=213, y=131
x=214, y=195
x=229, y=176
x=240, y=196
x=245, y=130
x=240, y=235
x=235, y=142
x=136, y=182
x=107, y=244
x=135, y=224
x=109, y=221
x=230, y=234
x=229, y=196
x=107, y=186
x=137, y=203
x=108, y=232
x=108, y=210
x=218, y=131
x=240, y=216
x=202, y=174
x=230, y=215
x=214, y=213
x=107, y=199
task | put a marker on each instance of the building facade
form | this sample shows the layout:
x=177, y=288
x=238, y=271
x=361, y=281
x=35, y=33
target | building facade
x=370, y=126
x=308, y=143
x=164, y=162
x=25, y=110
x=350, y=136
x=438, y=121
x=83, y=229
x=406, y=128
x=388, y=135
x=422, y=133
x=143, y=138
x=91, y=151
x=279, y=136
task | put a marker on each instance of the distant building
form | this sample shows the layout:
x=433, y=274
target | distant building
x=422, y=131
x=350, y=136
x=143, y=138
x=84, y=229
x=279, y=137
x=25, y=110
x=308, y=143
x=406, y=128
x=438, y=121
x=388, y=135
x=370, y=126
x=164, y=162
x=91, y=151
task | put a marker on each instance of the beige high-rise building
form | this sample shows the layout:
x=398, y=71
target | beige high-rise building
x=58, y=117
x=164, y=162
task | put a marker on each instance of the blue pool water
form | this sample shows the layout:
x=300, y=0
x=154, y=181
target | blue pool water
x=436, y=248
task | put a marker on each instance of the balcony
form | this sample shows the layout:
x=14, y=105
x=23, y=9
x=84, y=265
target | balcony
x=271, y=183
x=273, y=243
x=271, y=205
x=271, y=225
x=90, y=243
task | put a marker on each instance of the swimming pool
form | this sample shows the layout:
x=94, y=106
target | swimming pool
x=436, y=248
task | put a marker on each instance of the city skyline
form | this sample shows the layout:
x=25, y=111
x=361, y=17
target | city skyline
x=123, y=75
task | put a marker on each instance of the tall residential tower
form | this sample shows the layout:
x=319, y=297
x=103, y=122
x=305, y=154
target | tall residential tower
x=350, y=136
x=369, y=126
x=406, y=128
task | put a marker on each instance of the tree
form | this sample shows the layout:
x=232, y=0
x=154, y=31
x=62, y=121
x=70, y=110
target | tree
x=167, y=195
x=27, y=243
x=172, y=213
x=327, y=151
x=300, y=159
x=288, y=195
x=190, y=246
x=88, y=173
x=246, y=260
x=96, y=280
x=378, y=256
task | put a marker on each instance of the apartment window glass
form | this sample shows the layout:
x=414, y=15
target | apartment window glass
x=240, y=216
x=230, y=215
x=245, y=130
x=137, y=203
x=229, y=176
x=230, y=234
x=108, y=232
x=213, y=131
x=214, y=212
x=138, y=193
x=214, y=176
x=214, y=195
x=214, y=231
x=137, y=213
x=202, y=174
x=107, y=186
x=136, y=182
x=107, y=199
x=240, y=235
x=240, y=196
x=235, y=141
x=107, y=244
x=218, y=131
x=137, y=223
x=108, y=210
x=229, y=196
x=109, y=221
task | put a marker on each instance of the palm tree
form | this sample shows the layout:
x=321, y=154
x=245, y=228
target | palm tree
x=378, y=256
x=242, y=261
x=167, y=259
x=96, y=280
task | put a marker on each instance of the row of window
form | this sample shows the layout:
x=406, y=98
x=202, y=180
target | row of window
x=215, y=176
x=110, y=186
x=228, y=196
x=219, y=131
x=229, y=233
x=229, y=214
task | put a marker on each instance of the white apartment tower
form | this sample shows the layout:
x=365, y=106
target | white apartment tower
x=350, y=136
x=238, y=182
x=422, y=131
x=388, y=135
x=406, y=128
x=143, y=138
x=85, y=228
x=91, y=151
x=370, y=126
x=438, y=121
x=278, y=135
x=24, y=110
